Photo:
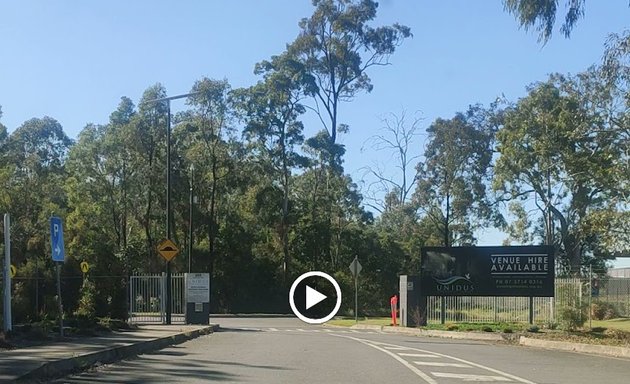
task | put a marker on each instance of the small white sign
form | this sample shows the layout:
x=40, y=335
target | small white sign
x=197, y=288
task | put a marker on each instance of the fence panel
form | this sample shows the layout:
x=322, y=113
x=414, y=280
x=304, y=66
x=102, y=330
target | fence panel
x=147, y=295
x=483, y=309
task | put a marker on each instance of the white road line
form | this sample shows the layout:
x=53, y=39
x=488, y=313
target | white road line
x=301, y=330
x=436, y=364
x=507, y=375
x=273, y=329
x=396, y=348
x=466, y=377
x=354, y=331
x=328, y=330
x=413, y=369
x=418, y=355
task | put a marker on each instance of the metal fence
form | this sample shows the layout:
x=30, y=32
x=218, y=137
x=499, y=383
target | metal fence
x=573, y=292
x=147, y=298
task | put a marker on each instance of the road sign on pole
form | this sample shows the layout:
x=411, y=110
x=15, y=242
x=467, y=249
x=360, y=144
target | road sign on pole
x=167, y=249
x=85, y=267
x=58, y=255
x=355, y=268
x=56, y=239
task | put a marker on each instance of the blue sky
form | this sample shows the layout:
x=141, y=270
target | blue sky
x=73, y=60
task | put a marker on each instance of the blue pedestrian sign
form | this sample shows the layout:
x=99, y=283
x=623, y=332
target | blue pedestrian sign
x=56, y=239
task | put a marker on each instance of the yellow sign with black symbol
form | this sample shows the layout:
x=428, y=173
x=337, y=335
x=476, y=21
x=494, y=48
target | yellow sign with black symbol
x=85, y=267
x=13, y=271
x=168, y=250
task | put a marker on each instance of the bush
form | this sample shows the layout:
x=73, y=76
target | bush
x=86, y=312
x=533, y=329
x=507, y=330
x=452, y=327
x=487, y=328
x=601, y=310
x=571, y=318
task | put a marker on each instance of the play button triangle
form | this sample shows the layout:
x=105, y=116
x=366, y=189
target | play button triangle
x=313, y=297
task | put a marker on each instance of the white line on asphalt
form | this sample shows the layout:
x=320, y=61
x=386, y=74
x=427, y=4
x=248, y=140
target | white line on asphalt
x=396, y=348
x=273, y=329
x=513, y=377
x=418, y=355
x=466, y=377
x=354, y=331
x=413, y=369
x=436, y=364
x=301, y=330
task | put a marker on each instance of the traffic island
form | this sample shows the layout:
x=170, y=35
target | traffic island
x=83, y=361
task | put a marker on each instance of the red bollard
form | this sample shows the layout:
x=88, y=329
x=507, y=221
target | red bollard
x=393, y=301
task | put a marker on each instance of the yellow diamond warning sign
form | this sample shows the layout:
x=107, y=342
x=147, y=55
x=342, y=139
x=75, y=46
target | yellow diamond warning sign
x=167, y=249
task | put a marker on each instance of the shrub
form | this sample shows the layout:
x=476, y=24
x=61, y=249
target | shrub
x=601, y=310
x=86, y=312
x=533, y=329
x=571, y=318
x=507, y=330
x=487, y=328
x=452, y=327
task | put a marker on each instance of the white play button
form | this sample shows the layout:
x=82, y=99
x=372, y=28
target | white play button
x=304, y=299
x=313, y=297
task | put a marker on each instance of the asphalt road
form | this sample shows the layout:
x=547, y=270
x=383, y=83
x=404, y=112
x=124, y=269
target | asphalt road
x=285, y=350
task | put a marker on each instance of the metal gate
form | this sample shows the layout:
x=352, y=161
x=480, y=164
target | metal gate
x=147, y=299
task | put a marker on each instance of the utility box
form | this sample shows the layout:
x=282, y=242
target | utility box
x=197, y=298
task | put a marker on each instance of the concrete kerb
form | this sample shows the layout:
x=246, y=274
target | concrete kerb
x=63, y=367
x=604, y=350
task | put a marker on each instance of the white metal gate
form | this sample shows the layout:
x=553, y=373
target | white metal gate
x=147, y=299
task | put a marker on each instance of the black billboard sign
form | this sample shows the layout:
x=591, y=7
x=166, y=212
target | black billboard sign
x=487, y=271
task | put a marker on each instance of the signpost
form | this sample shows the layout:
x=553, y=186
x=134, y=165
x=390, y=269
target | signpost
x=168, y=250
x=85, y=267
x=58, y=256
x=355, y=268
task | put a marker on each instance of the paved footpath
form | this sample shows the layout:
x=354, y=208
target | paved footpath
x=62, y=357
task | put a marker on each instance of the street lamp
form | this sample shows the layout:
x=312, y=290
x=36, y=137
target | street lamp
x=168, y=192
x=190, y=216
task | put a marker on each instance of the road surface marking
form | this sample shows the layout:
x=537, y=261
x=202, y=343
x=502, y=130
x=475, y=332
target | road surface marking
x=396, y=348
x=465, y=377
x=417, y=355
x=413, y=369
x=423, y=375
x=435, y=364
x=273, y=329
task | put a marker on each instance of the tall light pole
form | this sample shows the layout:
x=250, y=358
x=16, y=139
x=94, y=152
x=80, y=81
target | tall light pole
x=190, y=216
x=168, y=192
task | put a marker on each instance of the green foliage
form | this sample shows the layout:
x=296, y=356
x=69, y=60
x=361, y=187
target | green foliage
x=601, y=310
x=541, y=15
x=451, y=188
x=86, y=312
x=571, y=318
x=534, y=329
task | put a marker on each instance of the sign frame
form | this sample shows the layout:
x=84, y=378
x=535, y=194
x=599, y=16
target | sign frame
x=518, y=271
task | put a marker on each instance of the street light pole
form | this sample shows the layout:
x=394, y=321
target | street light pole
x=168, y=193
x=190, y=217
